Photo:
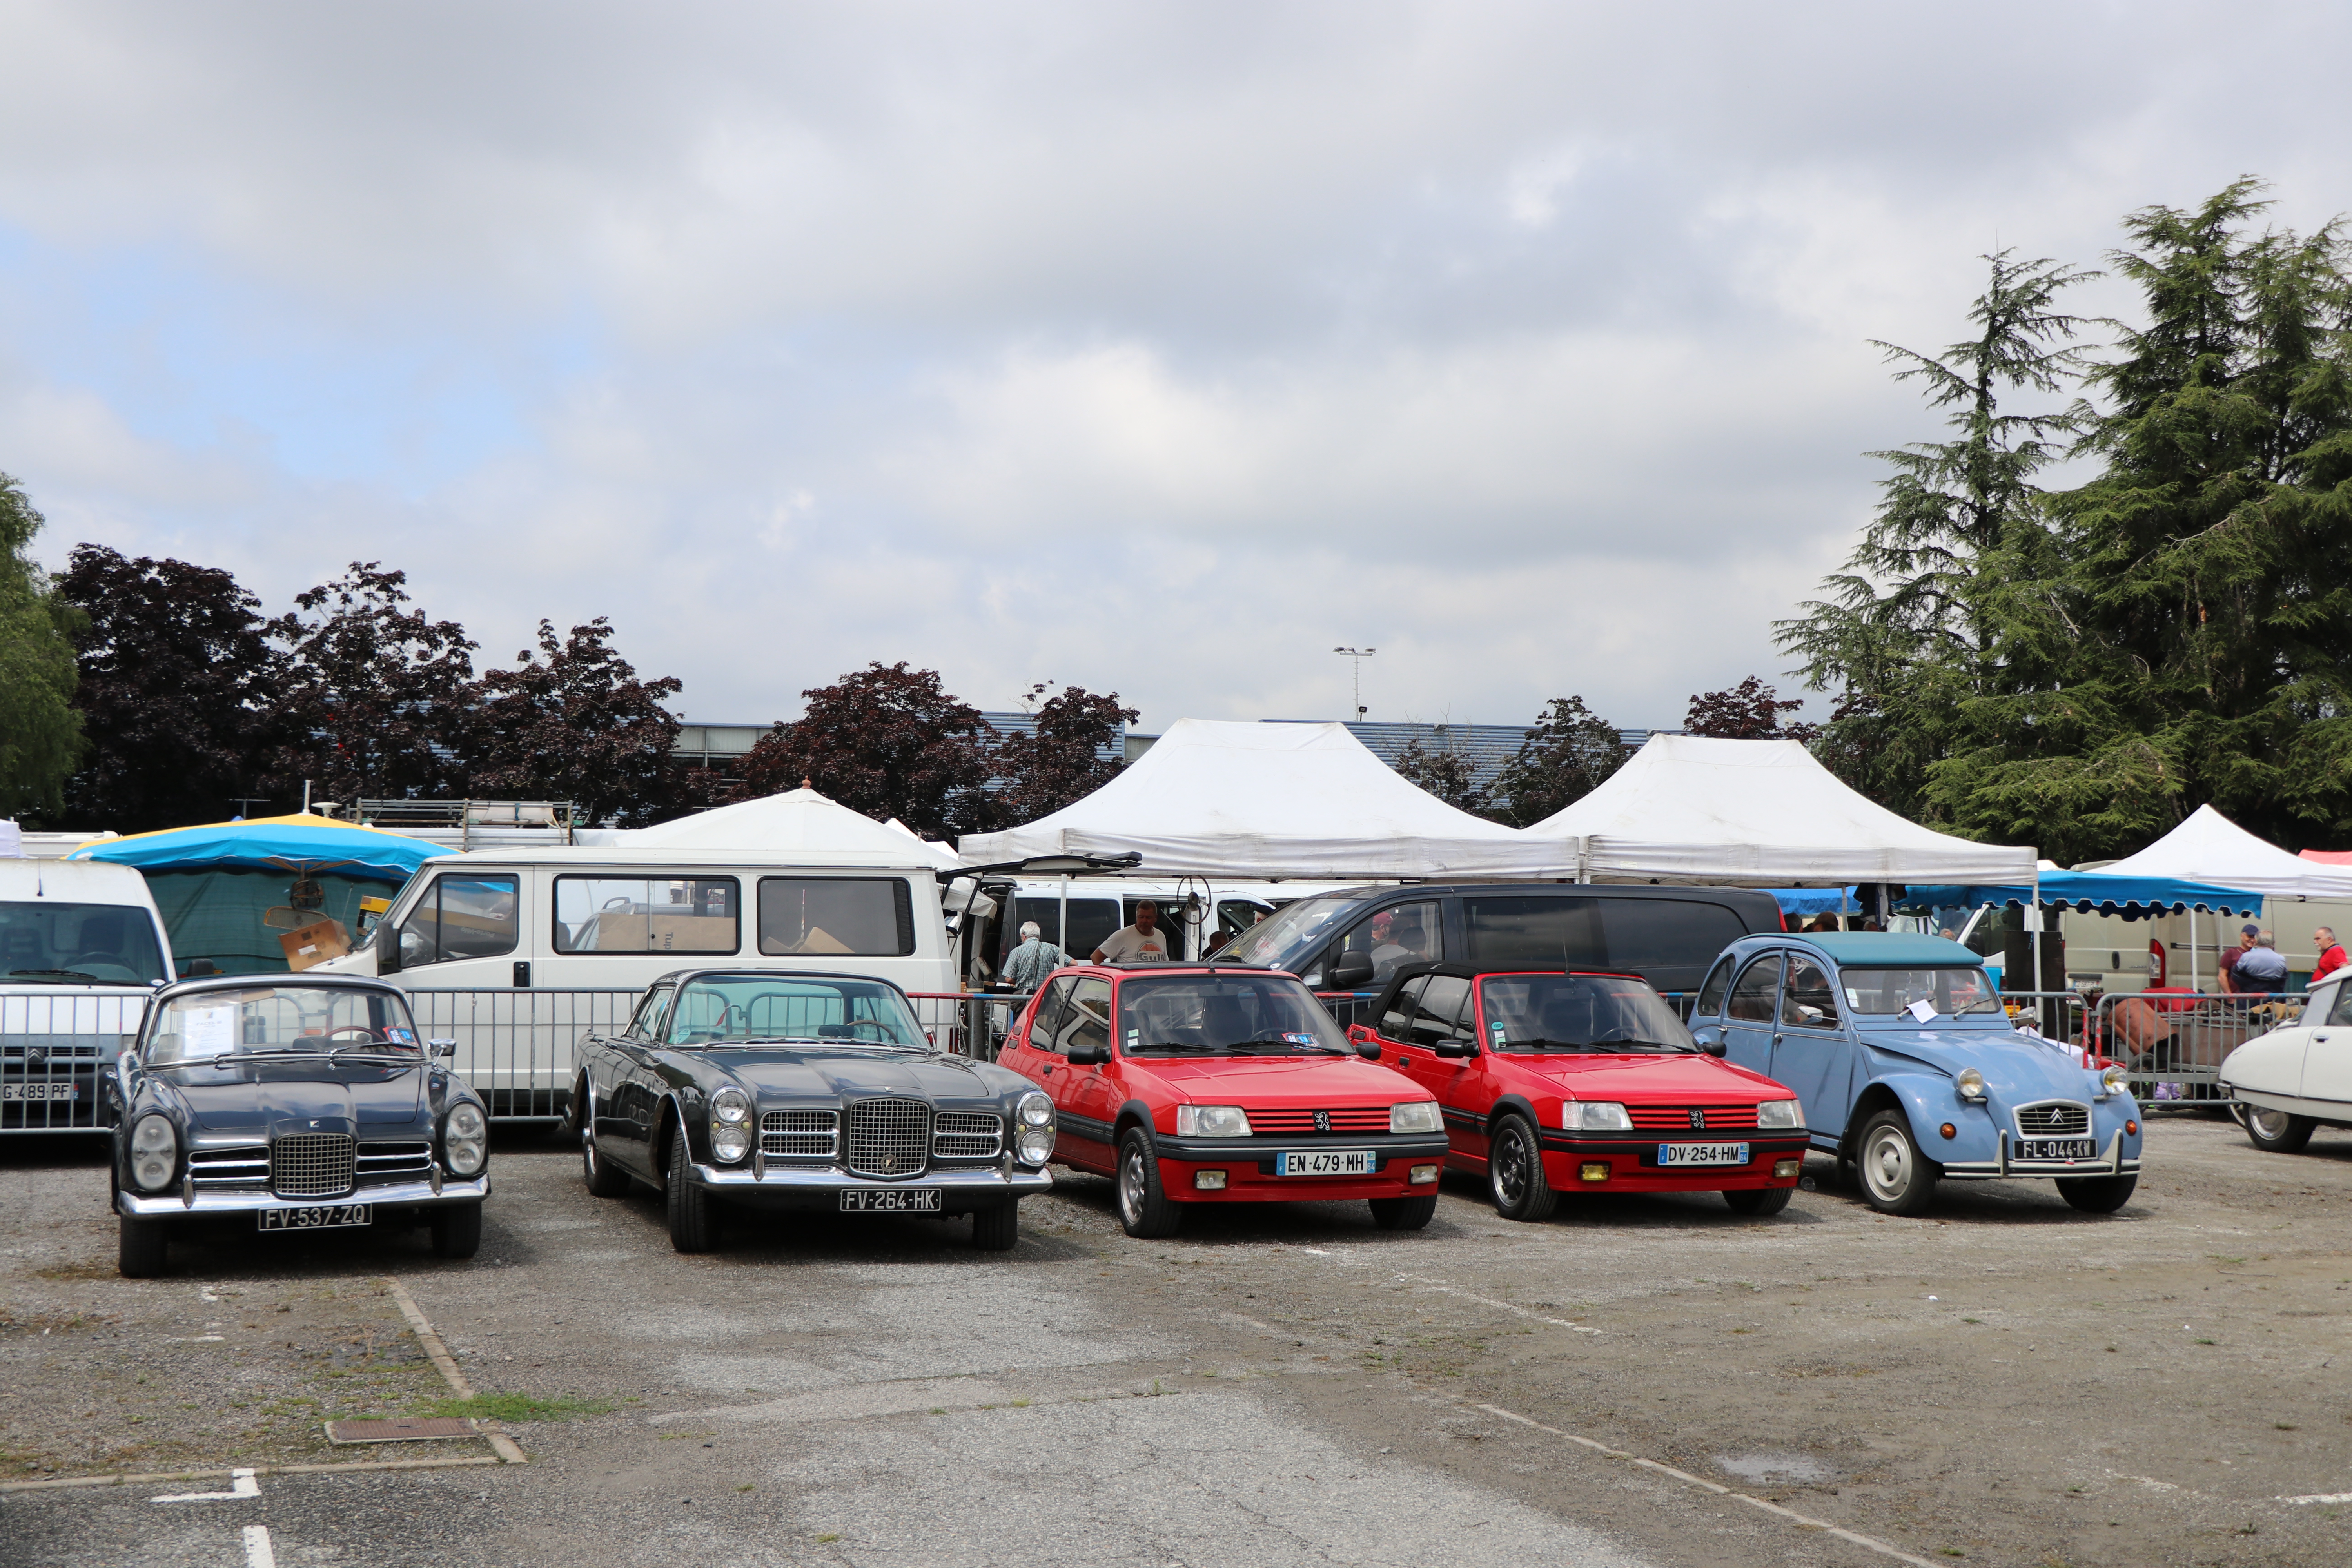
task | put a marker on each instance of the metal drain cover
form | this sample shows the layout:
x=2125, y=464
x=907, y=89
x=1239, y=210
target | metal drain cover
x=399, y=1430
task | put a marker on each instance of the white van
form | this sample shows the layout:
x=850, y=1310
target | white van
x=82, y=948
x=1201, y=913
x=515, y=954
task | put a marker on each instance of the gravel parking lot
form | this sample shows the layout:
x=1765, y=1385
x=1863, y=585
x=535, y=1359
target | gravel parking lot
x=2004, y=1382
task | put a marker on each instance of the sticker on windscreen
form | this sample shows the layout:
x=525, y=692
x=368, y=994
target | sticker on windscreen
x=1300, y=1040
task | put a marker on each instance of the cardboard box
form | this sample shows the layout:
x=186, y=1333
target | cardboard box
x=315, y=943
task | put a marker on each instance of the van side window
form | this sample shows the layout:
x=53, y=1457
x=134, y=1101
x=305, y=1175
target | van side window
x=642, y=914
x=1397, y=935
x=1710, y=996
x=1663, y=933
x=1752, y=999
x=1536, y=933
x=1049, y=1015
x=1092, y=920
x=863, y=916
x=461, y=917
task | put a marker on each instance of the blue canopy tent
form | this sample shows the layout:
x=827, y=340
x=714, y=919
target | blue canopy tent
x=1817, y=901
x=226, y=891
x=2095, y=892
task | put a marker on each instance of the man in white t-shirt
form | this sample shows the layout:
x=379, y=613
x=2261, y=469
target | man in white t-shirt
x=1142, y=943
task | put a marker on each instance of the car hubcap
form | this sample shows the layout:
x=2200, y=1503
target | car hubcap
x=1888, y=1165
x=1130, y=1188
x=2267, y=1123
x=1508, y=1183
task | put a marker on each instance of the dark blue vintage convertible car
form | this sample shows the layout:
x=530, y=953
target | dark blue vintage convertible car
x=797, y=1090
x=305, y=1102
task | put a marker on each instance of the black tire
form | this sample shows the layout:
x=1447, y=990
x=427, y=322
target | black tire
x=141, y=1247
x=1515, y=1173
x=1758, y=1202
x=2277, y=1132
x=1144, y=1209
x=996, y=1229
x=456, y=1230
x=693, y=1222
x=1404, y=1214
x=1896, y=1176
x=2097, y=1194
x=604, y=1180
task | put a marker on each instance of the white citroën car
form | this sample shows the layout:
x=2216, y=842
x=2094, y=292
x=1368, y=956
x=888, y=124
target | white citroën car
x=2297, y=1077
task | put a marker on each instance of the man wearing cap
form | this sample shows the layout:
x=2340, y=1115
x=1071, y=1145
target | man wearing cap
x=2246, y=935
x=2331, y=954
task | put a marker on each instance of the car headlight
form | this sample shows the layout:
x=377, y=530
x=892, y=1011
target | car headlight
x=465, y=1140
x=1035, y=1110
x=730, y=1105
x=1595, y=1116
x=1035, y=1145
x=730, y=1141
x=2115, y=1080
x=1970, y=1084
x=1212, y=1122
x=154, y=1152
x=1415, y=1116
x=1780, y=1113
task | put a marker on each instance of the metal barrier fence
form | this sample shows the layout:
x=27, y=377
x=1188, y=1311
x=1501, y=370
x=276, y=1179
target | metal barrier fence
x=2174, y=1042
x=519, y=1050
x=52, y=1050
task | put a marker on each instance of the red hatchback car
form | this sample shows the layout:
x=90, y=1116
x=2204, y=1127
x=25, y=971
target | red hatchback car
x=1196, y=1083
x=1558, y=1081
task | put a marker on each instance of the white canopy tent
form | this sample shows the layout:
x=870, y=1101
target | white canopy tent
x=799, y=826
x=2210, y=847
x=1689, y=809
x=1223, y=799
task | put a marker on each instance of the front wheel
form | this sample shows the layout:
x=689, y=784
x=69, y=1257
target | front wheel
x=457, y=1230
x=1515, y=1171
x=604, y=1181
x=1404, y=1214
x=996, y=1229
x=693, y=1226
x=1896, y=1178
x=1144, y=1208
x=2097, y=1194
x=2277, y=1131
x=140, y=1246
x=1758, y=1202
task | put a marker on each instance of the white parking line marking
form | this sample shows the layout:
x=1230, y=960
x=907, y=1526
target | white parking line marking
x=2320, y=1497
x=241, y=1484
x=1723, y=1492
x=1422, y=1279
x=258, y=1552
x=499, y=1442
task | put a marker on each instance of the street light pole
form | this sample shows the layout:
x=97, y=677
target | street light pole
x=1358, y=655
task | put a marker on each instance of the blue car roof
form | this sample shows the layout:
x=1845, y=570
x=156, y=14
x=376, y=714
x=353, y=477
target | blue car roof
x=1888, y=947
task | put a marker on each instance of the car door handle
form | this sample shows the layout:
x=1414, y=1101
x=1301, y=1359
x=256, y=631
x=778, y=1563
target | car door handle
x=1045, y=1072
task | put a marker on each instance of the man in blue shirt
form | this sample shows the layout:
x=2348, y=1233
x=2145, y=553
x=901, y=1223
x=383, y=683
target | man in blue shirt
x=2262, y=967
x=1033, y=960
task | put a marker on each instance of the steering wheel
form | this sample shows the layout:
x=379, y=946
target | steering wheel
x=365, y=1037
x=881, y=1031
x=111, y=960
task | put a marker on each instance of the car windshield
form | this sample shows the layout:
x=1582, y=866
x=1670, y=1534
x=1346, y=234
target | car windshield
x=1954, y=990
x=281, y=1020
x=1223, y=1016
x=1289, y=928
x=46, y=939
x=731, y=1009
x=1610, y=1013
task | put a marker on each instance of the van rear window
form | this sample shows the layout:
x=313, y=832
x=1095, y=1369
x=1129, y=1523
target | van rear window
x=845, y=917
x=1597, y=933
x=642, y=914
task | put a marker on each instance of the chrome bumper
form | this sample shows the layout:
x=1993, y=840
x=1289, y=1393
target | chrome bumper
x=2114, y=1164
x=1017, y=1182
x=217, y=1201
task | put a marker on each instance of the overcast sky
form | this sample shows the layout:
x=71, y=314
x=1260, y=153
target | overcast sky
x=1153, y=348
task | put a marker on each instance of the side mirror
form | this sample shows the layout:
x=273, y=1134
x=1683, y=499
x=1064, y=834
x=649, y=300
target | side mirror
x=1367, y=1047
x=1710, y=1041
x=387, y=948
x=1351, y=971
x=1088, y=1056
x=1453, y=1049
x=442, y=1047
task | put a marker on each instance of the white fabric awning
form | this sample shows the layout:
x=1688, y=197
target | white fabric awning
x=1223, y=799
x=799, y=826
x=1755, y=813
x=2210, y=847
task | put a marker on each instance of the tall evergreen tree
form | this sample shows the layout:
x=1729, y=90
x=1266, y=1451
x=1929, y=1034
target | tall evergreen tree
x=41, y=733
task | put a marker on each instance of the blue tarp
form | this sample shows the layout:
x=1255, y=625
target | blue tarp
x=2096, y=892
x=1818, y=900
x=297, y=844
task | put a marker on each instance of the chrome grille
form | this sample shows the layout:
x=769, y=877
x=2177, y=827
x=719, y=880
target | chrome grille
x=248, y=1167
x=889, y=1137
x=406, y=1159
x=312, y=1165
x=967, y=1135
x=2056, y=1119
x=799, y=1134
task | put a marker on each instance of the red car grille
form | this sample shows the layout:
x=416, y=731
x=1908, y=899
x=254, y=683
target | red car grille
x=1361, y=1118
x=1677, y=1118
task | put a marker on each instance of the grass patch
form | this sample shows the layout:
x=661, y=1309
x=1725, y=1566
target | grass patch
x=515, y=1408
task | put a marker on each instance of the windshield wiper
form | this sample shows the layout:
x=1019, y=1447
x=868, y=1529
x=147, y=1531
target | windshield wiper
x=1173, y=1045
x=51, y=974
x=1629, y=1040
x=1285, y=1047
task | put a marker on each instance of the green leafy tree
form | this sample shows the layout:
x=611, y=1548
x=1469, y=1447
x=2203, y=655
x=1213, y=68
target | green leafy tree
x=41, y=733
x=1570, y=753
x=1445, y=770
